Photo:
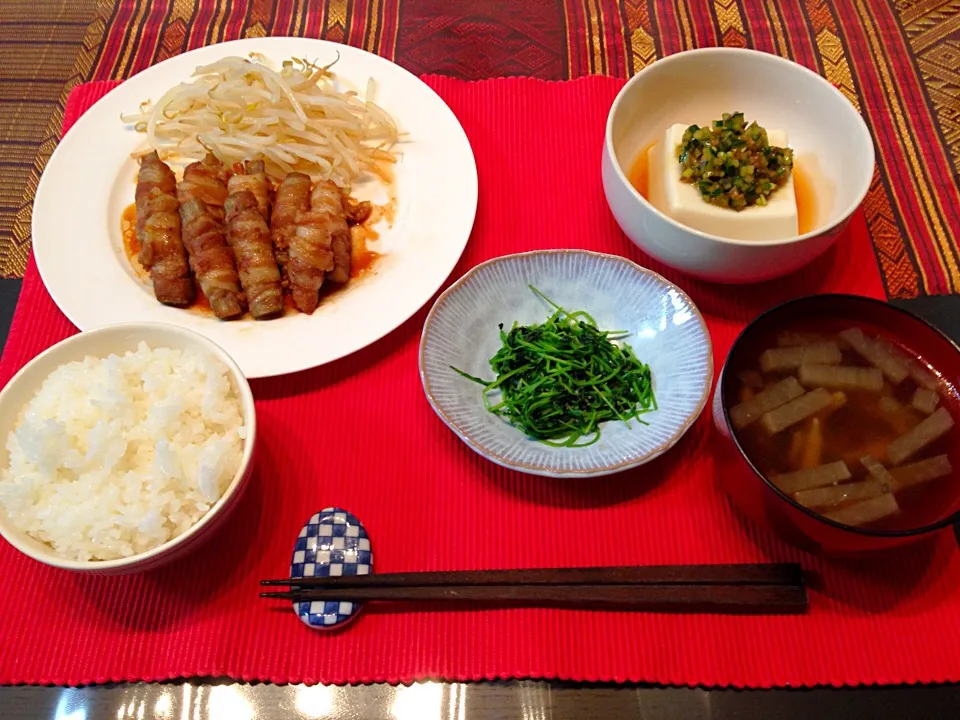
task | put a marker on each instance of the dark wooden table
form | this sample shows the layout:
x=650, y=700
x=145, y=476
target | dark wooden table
x=437, y=701
x=212, y=699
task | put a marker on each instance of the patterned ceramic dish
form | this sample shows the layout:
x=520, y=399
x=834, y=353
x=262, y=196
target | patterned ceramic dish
x=332, y=543
x=666, y=331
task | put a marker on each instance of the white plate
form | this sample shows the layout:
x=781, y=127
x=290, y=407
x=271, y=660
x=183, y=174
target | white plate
x=90, y=179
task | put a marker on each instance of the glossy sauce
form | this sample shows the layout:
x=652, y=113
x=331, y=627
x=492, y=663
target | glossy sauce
x=858, y=428
x=639, y=177
x=806, y=200
x=362, y=259
x=131, y=245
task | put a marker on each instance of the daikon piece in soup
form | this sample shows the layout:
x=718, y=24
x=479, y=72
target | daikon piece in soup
x=849, y=423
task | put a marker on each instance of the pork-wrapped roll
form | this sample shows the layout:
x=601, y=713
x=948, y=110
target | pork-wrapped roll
x=327, y=199
x=205, y=180
x=254, y=180
x=320, y=245
x=211, y=259
x=249, y=236
x=158, y=230
x=311, y=246
x=293, y=198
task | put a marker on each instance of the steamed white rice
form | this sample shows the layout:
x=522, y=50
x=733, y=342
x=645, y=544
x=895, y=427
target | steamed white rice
x=115, y=456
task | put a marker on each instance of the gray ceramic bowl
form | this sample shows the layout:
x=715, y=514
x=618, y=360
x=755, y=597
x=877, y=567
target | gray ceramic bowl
x=666, y=331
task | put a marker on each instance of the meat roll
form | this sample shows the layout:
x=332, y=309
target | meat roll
x=320, y=245
x=293, y=198
x=211, y=259
x=320, y=235
x=205, y=180
x=327, y=200
x=158, y=230
x=254, y=180
x=249, y=236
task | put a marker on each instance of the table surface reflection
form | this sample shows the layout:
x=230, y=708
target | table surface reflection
x=440, y=701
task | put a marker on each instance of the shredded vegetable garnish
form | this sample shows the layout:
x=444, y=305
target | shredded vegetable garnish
x=560, y=380
x=297, y=119
x=733, y=164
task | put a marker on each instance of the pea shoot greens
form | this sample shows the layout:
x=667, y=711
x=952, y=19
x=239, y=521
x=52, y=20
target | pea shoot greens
x=558, y=381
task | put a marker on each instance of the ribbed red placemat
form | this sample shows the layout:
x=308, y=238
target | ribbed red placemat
x=359, y=434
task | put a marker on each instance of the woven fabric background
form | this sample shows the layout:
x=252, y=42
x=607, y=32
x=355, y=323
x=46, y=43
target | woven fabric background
x=46, y=48
x=897, y=61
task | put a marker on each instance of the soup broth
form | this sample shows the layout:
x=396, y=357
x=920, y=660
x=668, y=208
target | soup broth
x=849, y=423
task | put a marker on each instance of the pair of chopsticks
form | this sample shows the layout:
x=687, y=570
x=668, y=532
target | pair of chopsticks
x=766, y=588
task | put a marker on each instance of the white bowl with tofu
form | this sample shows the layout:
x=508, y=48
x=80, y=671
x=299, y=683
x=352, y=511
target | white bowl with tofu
x=670, y=220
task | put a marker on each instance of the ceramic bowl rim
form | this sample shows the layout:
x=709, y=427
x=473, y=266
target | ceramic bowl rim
x=950, y=519
x=663, y=65
x=132, y=563
x=543, y=470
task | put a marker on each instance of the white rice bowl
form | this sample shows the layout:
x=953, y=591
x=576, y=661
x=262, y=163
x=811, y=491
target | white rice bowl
x=116, y=456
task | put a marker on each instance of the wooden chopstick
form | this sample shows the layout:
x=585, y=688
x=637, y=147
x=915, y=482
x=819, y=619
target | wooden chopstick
x=767, y=588
x=661, y=598
x=759, y=574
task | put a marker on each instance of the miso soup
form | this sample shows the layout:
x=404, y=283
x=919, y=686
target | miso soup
x=847, y=422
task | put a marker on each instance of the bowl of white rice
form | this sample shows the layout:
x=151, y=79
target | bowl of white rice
x=123, y=448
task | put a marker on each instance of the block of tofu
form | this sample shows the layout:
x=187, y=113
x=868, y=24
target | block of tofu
x=682, y=201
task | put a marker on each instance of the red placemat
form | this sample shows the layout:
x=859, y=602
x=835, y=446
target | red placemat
x=429, y=503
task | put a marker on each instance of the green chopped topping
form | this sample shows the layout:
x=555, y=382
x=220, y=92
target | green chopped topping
x=560, y=380
x=733, y=164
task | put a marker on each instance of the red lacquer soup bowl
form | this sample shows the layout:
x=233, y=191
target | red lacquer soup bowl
x=937, y=506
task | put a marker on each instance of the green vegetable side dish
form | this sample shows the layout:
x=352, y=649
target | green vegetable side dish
x=733, y=164
x=560, y=380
